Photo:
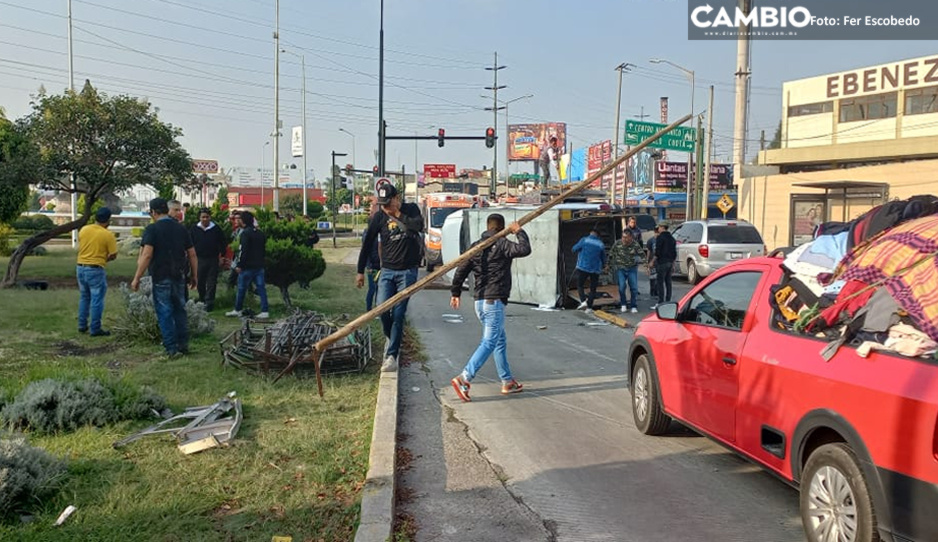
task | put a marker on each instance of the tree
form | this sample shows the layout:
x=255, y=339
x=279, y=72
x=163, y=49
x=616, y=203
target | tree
x=109, y=144
x=34, y=204
x=289, y=257
x=342, y=195
x=293, y=204
x=19, y=167
x=776, y=142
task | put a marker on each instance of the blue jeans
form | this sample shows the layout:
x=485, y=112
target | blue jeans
x=169, y=300
x=390, y=282
x=92, y=286
x=628, y=276
x=492, y=316
x=245, y=278
x=372, y=288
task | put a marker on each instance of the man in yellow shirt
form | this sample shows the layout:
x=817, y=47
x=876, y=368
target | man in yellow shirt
x=96, y=247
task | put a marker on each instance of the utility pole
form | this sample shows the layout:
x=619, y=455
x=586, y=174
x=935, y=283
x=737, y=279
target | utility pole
x=698, y=173
x=303, y=65
x=381, y=149
x=335, y=201
x=494, y=109
x=706, y=181
x=624, y=67
x=277, y=108
x=71, y=86
x=742, y=94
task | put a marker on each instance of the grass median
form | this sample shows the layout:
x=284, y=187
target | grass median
x=295, y=469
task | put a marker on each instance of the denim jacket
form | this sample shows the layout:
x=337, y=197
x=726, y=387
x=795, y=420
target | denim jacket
x=591, y=254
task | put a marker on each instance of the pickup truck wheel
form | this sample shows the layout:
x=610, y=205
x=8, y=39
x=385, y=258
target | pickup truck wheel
x=692, y=276
x=649, y=418
x=835, y=500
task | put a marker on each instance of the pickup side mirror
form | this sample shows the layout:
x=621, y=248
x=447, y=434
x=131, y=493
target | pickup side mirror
x=667, y=311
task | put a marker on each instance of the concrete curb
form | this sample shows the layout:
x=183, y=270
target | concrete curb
x=377, y=511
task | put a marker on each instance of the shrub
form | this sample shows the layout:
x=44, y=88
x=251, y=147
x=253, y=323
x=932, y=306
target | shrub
x=27, y=475
x=37, y=222
x=140, y=323
x=6, y=233
x=49, y=405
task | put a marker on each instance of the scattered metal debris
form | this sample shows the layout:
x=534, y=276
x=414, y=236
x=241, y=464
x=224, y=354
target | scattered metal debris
x=270, y=348
x=207, y=426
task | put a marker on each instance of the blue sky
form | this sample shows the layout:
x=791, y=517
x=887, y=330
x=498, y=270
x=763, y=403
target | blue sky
x=208, y=66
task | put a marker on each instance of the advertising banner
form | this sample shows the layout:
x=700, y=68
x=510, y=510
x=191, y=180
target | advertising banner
x=598, y=155
x=672, y=176
x=296, y=142
x=205, y=166
x=440, y=171
x=526, y=141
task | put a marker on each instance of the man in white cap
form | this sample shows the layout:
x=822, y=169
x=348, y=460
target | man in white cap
x=399, y=226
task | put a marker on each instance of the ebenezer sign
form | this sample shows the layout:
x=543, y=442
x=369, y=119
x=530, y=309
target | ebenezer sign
x=906, y=74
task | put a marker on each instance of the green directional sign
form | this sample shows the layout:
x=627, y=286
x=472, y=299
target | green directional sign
x=679, y=139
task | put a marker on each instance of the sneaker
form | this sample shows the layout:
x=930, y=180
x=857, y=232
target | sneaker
x=390, y=364
x=588, y=311
x=623, y=309
x=634, y=310
x=653, y=307
x=263, y=315
x=461, y=385
x=582, y=305
x=233, y=313
x=100, y=333
x=511, y=387
x=83, y=330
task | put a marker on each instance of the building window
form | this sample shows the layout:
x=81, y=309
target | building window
x=810, y=109
x=921, y=100
x=878, y=106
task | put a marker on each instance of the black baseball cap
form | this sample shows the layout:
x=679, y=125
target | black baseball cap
x=386, y=193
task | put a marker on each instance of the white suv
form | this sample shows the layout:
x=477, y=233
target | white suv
x=704, y=246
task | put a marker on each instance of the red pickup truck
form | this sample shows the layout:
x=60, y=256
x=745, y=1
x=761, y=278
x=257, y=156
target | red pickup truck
x=858, y=436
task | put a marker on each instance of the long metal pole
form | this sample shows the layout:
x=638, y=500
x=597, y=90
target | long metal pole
x=690, y=157
x=277, y=108
x=335, y=202
x=573, y=189
x=742, y=92
x=381, y=150
x=71, y=86
x=615, y=173
x=706, y=182
x=303, y=64
x=494, y=183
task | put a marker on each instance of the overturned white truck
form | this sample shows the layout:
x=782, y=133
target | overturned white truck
x=546, y=277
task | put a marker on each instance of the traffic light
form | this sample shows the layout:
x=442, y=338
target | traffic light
x=490, y=137
x=440, y=137
x=375, y=170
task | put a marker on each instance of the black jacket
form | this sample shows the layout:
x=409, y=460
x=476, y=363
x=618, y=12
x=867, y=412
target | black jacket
x=401, y=242
x=208, y=243
x=253, y=250
x=665, y=248
x=492, y=267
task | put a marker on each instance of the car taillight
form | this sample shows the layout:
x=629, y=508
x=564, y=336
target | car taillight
x=704, y=251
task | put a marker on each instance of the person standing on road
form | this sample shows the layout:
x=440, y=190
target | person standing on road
x=649, y=256
x=665, y=254
x=96, y=247
x=210, y=245
x=165, y=249
x=591, y=258
x=492, y=270
x=634, y=229
x=251, y=255
x=399, y=226
x=624, y=258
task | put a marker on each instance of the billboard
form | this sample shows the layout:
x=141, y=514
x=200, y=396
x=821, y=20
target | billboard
x=296, y=142
x=526, y=141
x=672, y=176
x=440, y=171
x=205, y=166
x=596, y=157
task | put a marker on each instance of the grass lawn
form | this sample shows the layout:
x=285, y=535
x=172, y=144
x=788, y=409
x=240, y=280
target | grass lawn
x=295, y=469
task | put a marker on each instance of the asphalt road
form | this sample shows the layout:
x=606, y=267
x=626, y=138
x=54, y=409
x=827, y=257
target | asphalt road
x=562, y=460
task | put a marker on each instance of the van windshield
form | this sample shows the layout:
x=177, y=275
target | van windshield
x=438, y=215
x=733, y=235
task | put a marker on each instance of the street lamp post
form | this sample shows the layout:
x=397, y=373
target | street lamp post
x=690, y=156
x=624, y=67
x=506, y=132
x=303, y=64
x=353, y=145
x=335, y=203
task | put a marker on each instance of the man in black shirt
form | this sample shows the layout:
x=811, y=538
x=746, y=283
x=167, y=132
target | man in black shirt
x=665, y=254
x=251, y=255
x=399, y=226
x=167, y=252
x=209, y=242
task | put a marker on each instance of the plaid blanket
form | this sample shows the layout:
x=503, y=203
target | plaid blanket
x=903, y=260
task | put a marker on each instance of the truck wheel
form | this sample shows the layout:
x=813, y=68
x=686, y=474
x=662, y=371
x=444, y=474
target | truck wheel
x=692, y=276
x=835, y=499
x=649, y=418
